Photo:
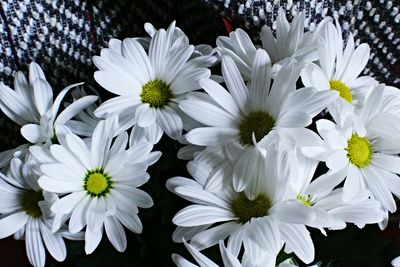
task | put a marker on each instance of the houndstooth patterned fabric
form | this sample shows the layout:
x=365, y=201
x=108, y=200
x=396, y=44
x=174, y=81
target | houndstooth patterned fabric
x=374, y=22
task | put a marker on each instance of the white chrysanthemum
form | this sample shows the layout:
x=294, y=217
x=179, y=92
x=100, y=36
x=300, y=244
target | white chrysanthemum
x=290, y=42
x=259, y=218
x=99, y=184
x=256, y=112
x=31, y=106
x=339, y=70
x=148, y=86
x=25, y=212
x=330, y=209
x=363, y=152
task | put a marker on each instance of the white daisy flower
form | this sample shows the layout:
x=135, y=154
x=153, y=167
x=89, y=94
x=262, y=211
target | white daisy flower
x=99, y=184
x=149, y=86
x=330, y=209
x=290, y=42
x=25, y=212
x=259, y=218
x=256, y=112
x=31, y=106
x=339, y=70
x=363, y=152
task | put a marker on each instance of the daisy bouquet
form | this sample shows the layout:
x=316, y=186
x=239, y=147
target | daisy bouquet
x=265, y=143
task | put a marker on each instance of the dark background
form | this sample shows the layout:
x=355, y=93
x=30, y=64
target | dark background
x=65, y=59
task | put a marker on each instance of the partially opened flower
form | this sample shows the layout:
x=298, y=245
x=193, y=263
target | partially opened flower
x=149, y=85
x=31, y=106
x=256, y=112
x=99, y=184
x=259, y=218
x=363, y=152
x=25, y=212
x=290, y=42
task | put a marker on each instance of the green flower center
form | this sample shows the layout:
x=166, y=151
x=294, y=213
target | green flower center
x=30, y=203
x=245, y=209
x=260, y=123
x=156, y=93
x=342, y=88
x=359, y=151
x=306, y=200
x=97, y=183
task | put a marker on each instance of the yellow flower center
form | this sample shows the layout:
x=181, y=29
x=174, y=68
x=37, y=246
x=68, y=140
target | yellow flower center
x=245, y=209
x=97, y=183
x=260, y=123
x=306, y=200
x=30, y=203
x=359, y=151
x=342, y=88
x=156, y=93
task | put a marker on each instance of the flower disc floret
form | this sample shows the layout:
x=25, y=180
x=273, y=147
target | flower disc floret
x=359, y=151
x=156, y=93
x=97, y=183
x=245, y=209
x=30, y=203
x=342, y=88
x=306, y=200
x=260, y=123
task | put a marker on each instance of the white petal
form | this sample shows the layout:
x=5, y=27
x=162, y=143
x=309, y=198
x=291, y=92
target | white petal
x=54, y=243
x=260, y=79
x=130, y=221
x=78, y=216
x=292, y=212
x=145, y=115
x=170, y=122
x=115, y=233
x=197, y=215
x=58, y=186
x=221, y=96
x=212, y=236
x=34, y=244
x=235, y=83
x=66, y=204
x=208, y=114
x=357, y=63
x=298, y=240
x=202, y=260
x=33, y=133
x=313, y=76
x=43, y=95
x=207, y=136
x=73, y=109
x=92, y=240
x=338, y=160
x=352, y=184
x=95, y=214
x=12, y=223
x=101, y=141
x=387, y=162
x=379, y=188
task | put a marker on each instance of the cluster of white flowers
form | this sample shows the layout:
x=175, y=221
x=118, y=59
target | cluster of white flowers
x=253, y=138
